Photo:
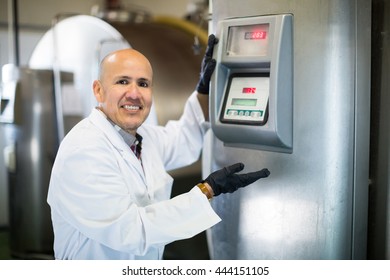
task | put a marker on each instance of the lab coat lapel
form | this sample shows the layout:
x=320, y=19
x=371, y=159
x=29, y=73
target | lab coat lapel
x=158, y=181
x=148, y=172
x=98, y=119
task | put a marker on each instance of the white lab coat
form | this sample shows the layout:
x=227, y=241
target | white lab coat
x=106, y=205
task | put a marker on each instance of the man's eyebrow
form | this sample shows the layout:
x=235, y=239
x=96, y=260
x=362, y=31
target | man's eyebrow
x=123, y=77
x=144, y=80
x=130, y=78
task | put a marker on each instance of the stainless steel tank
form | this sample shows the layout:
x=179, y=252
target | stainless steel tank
x=314, y=204
x=32, y=142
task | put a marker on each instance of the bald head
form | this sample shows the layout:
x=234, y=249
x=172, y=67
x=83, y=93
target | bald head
x=123, y=56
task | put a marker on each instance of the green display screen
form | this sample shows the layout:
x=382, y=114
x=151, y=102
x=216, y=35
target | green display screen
x=244, y=102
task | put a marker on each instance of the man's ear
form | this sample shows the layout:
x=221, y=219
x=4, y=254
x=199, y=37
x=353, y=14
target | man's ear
x=98, y=91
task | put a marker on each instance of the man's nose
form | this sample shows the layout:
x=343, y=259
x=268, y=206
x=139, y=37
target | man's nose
x=132, y=91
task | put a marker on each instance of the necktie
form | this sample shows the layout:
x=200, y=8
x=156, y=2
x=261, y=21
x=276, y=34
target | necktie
x=136, y=148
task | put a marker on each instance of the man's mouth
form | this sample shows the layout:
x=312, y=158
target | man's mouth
x=132, y=107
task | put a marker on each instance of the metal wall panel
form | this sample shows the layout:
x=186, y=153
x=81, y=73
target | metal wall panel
x=314, y=204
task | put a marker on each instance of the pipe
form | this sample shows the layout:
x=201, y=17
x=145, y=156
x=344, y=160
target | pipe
x=13, y=32
x=184, y=25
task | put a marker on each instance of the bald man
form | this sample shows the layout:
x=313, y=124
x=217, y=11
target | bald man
x=110, y=196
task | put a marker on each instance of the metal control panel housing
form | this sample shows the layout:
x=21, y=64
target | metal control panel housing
x=251, y=101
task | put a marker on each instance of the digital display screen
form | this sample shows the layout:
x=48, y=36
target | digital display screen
x=255, y=35
x=244, y=102
x=249, y=90
x=248, y=40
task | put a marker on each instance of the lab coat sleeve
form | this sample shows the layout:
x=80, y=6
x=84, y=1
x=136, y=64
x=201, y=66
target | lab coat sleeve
x=185, y=213
x=87, y=190
x=180, y=141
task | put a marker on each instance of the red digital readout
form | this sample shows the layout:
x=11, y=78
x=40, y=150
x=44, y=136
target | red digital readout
x=255, y=35
x=249, y=90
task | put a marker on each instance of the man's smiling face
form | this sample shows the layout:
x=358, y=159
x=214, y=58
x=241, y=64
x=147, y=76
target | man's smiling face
x=124, y=88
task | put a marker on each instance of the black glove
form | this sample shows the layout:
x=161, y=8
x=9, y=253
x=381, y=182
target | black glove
x=207, y=67
x=226, y=181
